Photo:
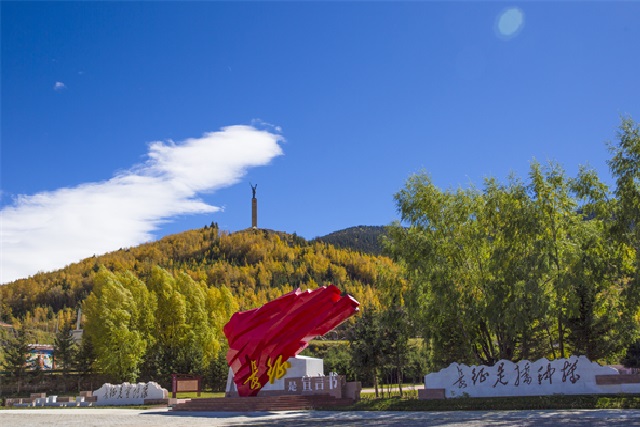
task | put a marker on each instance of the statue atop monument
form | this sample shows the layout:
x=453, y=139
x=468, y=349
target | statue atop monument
x=254, y=207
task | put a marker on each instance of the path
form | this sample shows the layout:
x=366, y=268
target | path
x=99, y=417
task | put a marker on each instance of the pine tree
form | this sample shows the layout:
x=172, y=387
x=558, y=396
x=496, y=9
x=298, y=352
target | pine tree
x=367, y=345
x=632, y=357
x=65, y=351
x=15, y=355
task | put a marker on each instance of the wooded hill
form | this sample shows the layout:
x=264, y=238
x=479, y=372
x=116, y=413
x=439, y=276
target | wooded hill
x=363, y=238
x=256, y=265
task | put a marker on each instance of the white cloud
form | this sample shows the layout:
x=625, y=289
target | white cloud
x=59, y=86
x=509, y=23
x=49, y=230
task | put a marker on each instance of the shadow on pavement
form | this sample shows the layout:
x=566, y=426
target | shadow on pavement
x=448, y=419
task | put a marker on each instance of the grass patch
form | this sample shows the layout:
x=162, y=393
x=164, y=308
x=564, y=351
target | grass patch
x=555, y=402
x=194, y=394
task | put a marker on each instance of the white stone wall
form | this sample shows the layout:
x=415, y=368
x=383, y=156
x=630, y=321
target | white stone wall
x=129, y=394
x=576, y=375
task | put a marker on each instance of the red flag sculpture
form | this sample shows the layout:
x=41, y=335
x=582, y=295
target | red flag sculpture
x=263, y=339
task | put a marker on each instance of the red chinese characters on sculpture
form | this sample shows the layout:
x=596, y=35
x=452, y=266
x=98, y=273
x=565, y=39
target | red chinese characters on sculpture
x=263, y=339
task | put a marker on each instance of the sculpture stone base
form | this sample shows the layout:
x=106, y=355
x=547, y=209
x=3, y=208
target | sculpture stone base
x=301, y=366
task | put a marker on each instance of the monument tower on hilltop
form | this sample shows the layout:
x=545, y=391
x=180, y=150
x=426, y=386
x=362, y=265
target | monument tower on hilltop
x=254, y=207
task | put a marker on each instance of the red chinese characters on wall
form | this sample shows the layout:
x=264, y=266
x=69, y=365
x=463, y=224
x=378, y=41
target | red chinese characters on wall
x=263, y=339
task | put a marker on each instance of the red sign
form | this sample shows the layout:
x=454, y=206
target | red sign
x=263, y=339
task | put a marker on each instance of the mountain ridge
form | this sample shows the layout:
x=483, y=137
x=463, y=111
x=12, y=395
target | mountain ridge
x=363, y=238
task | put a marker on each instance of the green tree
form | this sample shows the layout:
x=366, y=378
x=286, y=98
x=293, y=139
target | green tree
x=396, y=331
x=65, y=351
x=143, y=318
x=189, y=318
x=625, y=168
x=468, y=278
x=631, y=358
x=515, y=271
x=220, y=305
x=367, y=346
x=557, y=219
x=171, y=333
x=601, y=316
x=16, y=353
x=217, y=372
x=515, y=304
x=85, y=357
x=433, y=260
x=201, y=335
x=112, y=321
x=338, y=359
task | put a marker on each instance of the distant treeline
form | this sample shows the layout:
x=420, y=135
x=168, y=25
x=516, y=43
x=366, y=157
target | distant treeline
x=363, y=238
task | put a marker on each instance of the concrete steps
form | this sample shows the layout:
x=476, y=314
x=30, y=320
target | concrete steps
x=261, y=403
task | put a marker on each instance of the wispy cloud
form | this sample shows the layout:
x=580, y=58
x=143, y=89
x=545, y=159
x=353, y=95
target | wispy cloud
x=49, y=230
x=509, y=23
x=59, y=86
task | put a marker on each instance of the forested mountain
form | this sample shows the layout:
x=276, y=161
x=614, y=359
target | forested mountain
x=256, y=265
x=363, y=238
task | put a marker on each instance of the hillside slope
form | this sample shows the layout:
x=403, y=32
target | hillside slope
x=257, y=265
x=363, y=238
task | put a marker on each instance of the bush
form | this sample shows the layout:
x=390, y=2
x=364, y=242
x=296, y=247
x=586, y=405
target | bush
x=632, y=357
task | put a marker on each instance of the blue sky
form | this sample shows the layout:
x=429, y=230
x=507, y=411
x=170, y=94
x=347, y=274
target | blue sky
x=126, y=121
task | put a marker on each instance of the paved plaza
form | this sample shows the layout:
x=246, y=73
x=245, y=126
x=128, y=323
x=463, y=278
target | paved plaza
x=100, y=417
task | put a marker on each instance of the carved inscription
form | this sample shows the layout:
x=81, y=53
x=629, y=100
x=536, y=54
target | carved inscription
x=575, y=375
